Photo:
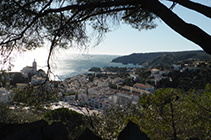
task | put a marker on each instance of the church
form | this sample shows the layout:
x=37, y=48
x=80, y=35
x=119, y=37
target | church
x=36, y=76
x=30, y=69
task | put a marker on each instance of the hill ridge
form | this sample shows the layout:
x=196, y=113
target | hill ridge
x=161, y=58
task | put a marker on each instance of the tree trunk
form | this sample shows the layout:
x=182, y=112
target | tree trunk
x=189, y=31
x=205, y=10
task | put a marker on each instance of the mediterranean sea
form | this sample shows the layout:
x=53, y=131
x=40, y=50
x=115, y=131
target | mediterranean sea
x=80, y=64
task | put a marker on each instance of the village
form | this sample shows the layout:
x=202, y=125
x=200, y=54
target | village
x=107, y=88
x=97, y=90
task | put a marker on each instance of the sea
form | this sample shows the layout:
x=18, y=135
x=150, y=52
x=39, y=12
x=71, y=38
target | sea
x=80, y=64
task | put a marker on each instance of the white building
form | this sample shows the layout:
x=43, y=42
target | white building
x=117, y=80
x=143, y=87
x=124, y=98
x=189, y=69
x=177, y=67
x=30, y=69
x=154, y=71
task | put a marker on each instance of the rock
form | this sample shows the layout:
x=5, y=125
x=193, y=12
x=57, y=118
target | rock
x=88, y=135
x=132, y=132
x=39, y=130
x=55, y=131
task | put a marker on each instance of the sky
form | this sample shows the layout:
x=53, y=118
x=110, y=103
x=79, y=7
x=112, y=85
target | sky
x=125, y=40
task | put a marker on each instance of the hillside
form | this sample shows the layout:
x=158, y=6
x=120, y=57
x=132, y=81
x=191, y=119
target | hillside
x=161, y=58
x=137, y=58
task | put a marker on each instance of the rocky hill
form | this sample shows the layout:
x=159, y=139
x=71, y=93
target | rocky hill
x=161, y=58
x=137, y=58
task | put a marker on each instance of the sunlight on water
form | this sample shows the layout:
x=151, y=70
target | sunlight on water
x=63, y=63
x=81, y=64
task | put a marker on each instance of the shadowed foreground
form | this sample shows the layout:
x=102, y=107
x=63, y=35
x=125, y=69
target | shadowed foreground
x=40, y=130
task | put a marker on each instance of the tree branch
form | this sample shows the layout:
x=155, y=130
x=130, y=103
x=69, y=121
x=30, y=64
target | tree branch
x=205, y=10
x=189, y=31
x=172, y=121
x=24, y=9
x=89, y=6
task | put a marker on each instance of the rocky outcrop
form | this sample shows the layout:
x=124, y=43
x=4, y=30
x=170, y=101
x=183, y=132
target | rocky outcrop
x=132, y=132
x=39, y=130
x=88, y=135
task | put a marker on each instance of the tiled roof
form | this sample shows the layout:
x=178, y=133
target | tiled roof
x=154, y=69
x=142, y=86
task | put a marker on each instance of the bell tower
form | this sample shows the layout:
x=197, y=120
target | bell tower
x=34, y=65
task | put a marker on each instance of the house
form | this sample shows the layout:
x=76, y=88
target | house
x=156, y=74
x=41, y=73
x=117, y=80
x=134, y=77
x=96, y=101
x=134, y=90
x=143, y=87
x=177, y=67
x=124, y=98
x=189, y=69
x=113, y=98
x=154, y=71
x=164, y=72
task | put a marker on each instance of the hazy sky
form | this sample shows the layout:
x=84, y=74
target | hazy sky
x=126, y=40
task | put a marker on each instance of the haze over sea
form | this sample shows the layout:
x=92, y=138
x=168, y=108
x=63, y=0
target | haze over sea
x=76, y=65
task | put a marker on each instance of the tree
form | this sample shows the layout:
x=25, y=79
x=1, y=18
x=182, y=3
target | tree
x=35, y=96
x=112, y=121
x=17, y=115
x=3, y=78
x=27, y=24
x=174, y=114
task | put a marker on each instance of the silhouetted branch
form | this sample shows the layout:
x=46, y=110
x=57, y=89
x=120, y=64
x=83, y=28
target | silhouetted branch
x=189, y=31
x=205, y=10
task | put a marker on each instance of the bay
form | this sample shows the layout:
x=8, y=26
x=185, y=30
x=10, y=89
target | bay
x=80, y=64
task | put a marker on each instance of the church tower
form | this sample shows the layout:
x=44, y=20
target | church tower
x=34, y=66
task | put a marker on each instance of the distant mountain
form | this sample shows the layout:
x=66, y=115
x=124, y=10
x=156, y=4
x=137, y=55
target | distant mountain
x=137, y=58
x=161, y=58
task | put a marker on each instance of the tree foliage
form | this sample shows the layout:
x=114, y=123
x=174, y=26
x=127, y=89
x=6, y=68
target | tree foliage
x=187, y=80
x=17, y=115
x=170, y=114
x=35, y=95
x=175, y=114
x=28, y=24
x=112, y=121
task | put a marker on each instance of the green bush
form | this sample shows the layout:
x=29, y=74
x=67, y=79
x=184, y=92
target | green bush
x=17, y=115
x=35, y=95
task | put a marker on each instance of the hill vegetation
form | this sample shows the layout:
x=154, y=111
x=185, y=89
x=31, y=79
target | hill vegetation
x=161, y=58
